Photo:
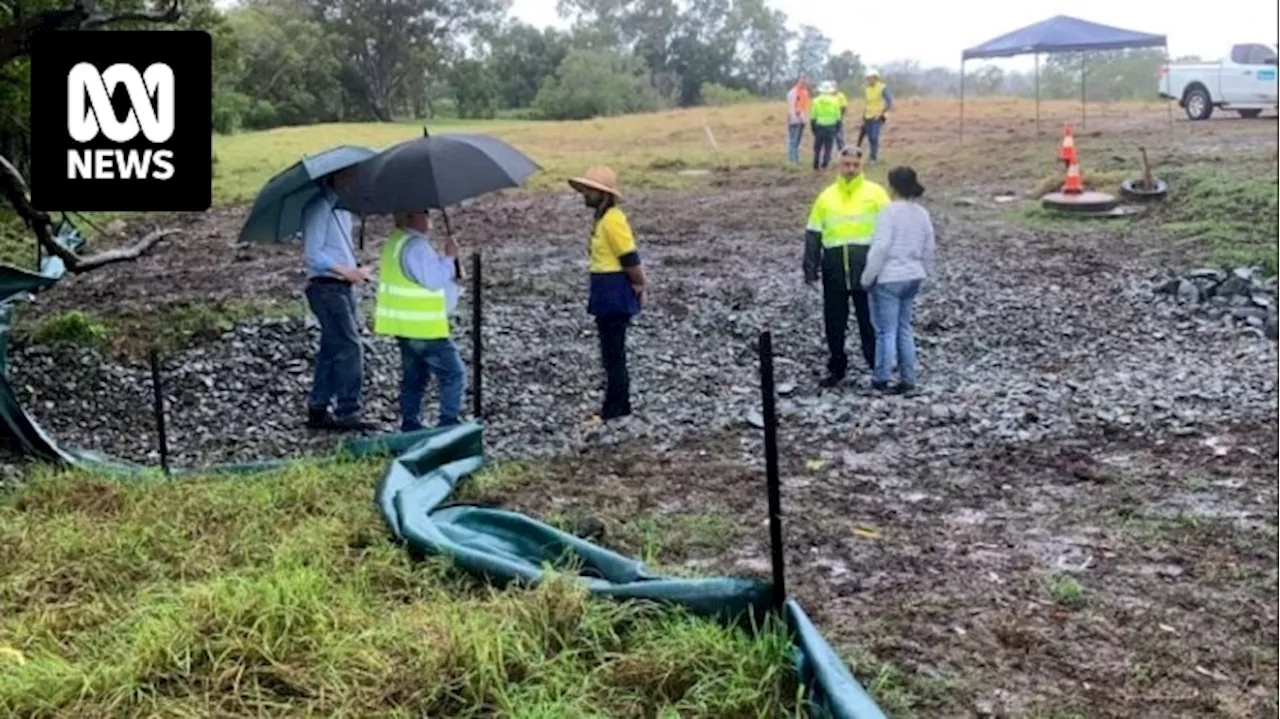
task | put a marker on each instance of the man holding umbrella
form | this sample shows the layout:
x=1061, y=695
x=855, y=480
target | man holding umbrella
x=333, y=274
x=617, y=283
x=417, y=291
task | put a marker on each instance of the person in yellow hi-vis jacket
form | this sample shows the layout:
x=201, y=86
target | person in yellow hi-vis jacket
x=843, y=102
x=417, y=291
x=836, y=240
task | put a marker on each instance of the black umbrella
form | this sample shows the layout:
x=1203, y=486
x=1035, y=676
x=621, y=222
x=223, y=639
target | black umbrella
x=434, y=172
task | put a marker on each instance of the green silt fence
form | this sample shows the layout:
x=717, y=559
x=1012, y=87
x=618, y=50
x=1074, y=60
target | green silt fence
x=499, y=545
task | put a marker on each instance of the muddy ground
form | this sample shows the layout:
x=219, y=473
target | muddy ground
x=1078, y=516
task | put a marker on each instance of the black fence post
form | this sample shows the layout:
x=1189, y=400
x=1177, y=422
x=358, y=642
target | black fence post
x=157, y=392
x=477, y=342
x=771, y=470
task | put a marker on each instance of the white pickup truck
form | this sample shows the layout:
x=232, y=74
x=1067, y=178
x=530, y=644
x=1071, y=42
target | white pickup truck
x=1245, y=82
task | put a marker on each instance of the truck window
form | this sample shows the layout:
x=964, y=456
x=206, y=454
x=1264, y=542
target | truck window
x=1253, y=54
x=1262, y=55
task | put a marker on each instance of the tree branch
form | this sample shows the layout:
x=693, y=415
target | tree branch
x=15, y=41
x=14, y=190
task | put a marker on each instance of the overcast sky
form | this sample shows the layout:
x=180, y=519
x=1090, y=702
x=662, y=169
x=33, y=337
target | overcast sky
x=935, y=31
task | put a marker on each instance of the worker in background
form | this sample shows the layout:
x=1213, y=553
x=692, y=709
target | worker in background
x=617, y=284
x=877, y=101
x=836, y=241
x=797, y=117
x=844, y=106
x=333, y=274
x=417, y=291
x=825, y=118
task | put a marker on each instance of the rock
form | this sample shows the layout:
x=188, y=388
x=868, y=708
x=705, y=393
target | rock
x=1188, y=291
x=1207, y=273
x=754, y=418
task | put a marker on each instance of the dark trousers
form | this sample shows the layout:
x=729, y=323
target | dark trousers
x=824, y=136
x=835, y=314
x=340, y=359
x=612, y=329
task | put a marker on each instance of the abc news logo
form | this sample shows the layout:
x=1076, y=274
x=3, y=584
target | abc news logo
x=86, y=124
x=121, y=121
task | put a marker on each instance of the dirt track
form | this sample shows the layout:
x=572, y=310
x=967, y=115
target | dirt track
x=1068, y=430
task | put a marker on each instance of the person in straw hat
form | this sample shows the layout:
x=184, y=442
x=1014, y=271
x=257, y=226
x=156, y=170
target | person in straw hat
x=617, y=283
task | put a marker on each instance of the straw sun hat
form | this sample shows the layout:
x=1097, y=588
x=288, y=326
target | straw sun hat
x=597, y=178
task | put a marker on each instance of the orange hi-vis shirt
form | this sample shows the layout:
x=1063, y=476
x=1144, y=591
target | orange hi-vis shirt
x=798, y=104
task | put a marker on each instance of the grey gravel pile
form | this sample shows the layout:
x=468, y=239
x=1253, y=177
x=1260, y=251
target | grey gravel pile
x=1235, y=296
x=1022, y=338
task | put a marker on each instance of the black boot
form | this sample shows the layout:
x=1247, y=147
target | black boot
x=831, y=380
x=319, y=419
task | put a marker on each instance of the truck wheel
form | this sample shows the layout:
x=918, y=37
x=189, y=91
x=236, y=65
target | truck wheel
x=1197, y=103
x=1249, y=114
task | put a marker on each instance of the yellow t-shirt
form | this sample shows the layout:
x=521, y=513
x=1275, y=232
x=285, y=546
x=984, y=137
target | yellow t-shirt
x=611, y=240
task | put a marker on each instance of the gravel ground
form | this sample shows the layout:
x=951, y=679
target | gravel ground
x=1023, y=338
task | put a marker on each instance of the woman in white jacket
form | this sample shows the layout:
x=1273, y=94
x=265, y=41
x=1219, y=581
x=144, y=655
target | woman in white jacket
x=900, y=259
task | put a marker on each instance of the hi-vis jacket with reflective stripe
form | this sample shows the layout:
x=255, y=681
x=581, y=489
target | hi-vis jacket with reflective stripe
x=404, y=307
x=843, y=217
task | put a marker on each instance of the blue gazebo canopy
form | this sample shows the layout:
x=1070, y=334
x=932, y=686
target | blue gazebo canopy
x=1062, y=34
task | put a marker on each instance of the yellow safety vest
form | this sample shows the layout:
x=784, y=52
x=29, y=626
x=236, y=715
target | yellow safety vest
x=874, y=96
x=404, y=307
x=845, y=213
x=842, y=100
x=826, y=110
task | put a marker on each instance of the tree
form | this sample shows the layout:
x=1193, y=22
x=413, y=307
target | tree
x=475, y=90
x=591, y=83
x=812, y=53
x=389, y=41
x=844, y=67
x=15, y=46
x=521, y=56
x=289, y=62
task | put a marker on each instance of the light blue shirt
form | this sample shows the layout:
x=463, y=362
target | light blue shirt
x=421, y=263
x=326, y=235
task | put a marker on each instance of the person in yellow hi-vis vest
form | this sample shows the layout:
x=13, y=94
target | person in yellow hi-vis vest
x=843, y=101
x=836, y=241
x=877, y=101
x=824, y=117
x=417, y=291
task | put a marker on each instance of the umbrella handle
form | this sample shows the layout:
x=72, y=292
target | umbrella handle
x=457, y=265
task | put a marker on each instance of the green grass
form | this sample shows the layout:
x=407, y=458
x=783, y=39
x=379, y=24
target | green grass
x=1223, y=217
x=281, y=596
x=1231, y=215
x=127, y=333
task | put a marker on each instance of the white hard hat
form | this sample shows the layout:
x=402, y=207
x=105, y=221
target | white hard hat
x=827, y=86
x=873, y=72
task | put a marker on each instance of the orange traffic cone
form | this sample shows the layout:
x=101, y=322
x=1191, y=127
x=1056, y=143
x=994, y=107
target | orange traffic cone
x=1073, y=185
x=1067, y=153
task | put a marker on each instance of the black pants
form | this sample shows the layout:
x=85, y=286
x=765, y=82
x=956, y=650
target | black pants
x=613, y=355
x=824, y=136
x=835, y=313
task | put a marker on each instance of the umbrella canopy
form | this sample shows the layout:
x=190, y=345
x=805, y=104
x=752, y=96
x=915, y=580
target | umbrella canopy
x=434, y=172
x=277, y=211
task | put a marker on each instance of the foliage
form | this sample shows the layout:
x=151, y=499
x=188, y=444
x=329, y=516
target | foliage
x=73, y=328
x=280, y=595
x=717, y=95
x=592, y=83
x=475, y=89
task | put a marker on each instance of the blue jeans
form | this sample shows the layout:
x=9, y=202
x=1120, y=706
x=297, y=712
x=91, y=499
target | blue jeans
x=795, y=133
x=873, y=137
x=892, y=304
x=340, y=359
x=419, y=360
